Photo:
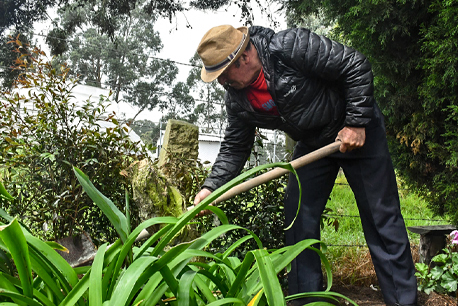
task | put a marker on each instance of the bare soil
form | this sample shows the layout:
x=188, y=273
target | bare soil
x=354, y=277
x=367, y=296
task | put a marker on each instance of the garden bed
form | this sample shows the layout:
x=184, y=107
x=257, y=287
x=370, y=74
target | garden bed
x=366, y=296
x=364, y=289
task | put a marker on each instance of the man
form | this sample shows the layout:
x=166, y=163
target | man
x=317, y=91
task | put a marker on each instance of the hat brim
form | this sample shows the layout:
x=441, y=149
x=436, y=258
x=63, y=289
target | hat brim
x=211, y=76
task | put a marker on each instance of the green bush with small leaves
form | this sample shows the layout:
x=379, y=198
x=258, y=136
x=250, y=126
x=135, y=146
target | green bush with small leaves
x=44, y=131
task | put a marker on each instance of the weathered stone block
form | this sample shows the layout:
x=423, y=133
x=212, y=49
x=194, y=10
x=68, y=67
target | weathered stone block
x=432, y=240
x=155, y=187
x=180, y=139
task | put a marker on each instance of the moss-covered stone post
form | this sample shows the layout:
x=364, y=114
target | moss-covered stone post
x=180, y=139
x=156, y=189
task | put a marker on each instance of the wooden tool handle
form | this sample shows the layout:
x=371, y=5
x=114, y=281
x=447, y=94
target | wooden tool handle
x=268, y=176
x=277, y=172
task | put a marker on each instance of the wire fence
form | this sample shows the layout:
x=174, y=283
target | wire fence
x=271, y=147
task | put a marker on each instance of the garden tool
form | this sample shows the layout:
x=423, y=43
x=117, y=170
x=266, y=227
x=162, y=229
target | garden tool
x=277, y=172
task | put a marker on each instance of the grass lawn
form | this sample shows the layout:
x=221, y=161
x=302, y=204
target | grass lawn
x=347, y=249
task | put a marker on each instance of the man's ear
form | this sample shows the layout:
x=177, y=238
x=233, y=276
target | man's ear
x=245, y=57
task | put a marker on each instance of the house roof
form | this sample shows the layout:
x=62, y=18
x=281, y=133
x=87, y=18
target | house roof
x=210, y=137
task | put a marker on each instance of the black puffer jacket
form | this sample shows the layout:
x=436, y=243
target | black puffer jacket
x=318, y=85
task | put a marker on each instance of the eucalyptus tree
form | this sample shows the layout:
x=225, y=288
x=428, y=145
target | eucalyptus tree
x=147, y=130
x=180, y=104
x=18, y=16
x=123, y=61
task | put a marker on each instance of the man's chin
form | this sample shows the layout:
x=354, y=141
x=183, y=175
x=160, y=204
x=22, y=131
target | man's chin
x=238, y=86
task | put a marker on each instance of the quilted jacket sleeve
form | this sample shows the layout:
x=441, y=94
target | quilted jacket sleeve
x=318, y=56
x=234, y=152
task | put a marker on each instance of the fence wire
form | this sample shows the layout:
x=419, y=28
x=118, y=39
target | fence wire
x=272, y=148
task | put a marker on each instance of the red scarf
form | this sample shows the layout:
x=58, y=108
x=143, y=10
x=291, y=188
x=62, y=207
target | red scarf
x=259, y=96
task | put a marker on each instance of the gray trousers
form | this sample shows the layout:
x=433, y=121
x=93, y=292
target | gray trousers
x=369, y=171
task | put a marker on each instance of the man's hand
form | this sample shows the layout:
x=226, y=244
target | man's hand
x=351, y=138
x=199, y=197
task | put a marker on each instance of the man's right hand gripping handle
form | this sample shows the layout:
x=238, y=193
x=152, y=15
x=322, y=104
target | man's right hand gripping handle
x=199, y=197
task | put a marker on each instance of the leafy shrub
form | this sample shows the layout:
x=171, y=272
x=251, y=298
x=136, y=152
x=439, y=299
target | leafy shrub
x=154, y=273
x=43, y=133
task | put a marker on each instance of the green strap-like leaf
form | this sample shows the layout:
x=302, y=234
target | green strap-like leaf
x=170, y=279
x=77, y=292
x=59, y=266
x=45, y=274
x=128, y=280
x=269, y=279
x=185, y=296
x=5, y=262
x=256, y=299
x=203, y=287
x=56, y=246
x=6, y=281
x=205, y=240
x=16, y=296
x=332, y=296
x=241, y=275
x=217, y=280
x=135, y=277
x=235, y=245
x=227, y=301
x=219, y=213
x=116, y=217
x=153, y=293
x=128, y=211
x=327, y=266
x=185, y=218
x=6, y=284
x=228, y=273
x=288, y=254
x=14, y=239
x=95, y=279
x=5, y=193
x=107, y=277
x=127, y=247
x=151, y=240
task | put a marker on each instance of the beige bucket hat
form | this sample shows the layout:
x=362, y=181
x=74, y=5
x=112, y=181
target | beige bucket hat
x=219, y=47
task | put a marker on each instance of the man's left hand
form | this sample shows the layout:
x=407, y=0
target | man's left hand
x=351, y=138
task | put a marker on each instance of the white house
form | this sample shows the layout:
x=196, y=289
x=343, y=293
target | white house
x=208, y=146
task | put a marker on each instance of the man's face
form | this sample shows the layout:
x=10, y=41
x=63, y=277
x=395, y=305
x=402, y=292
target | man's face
x=235, y=76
